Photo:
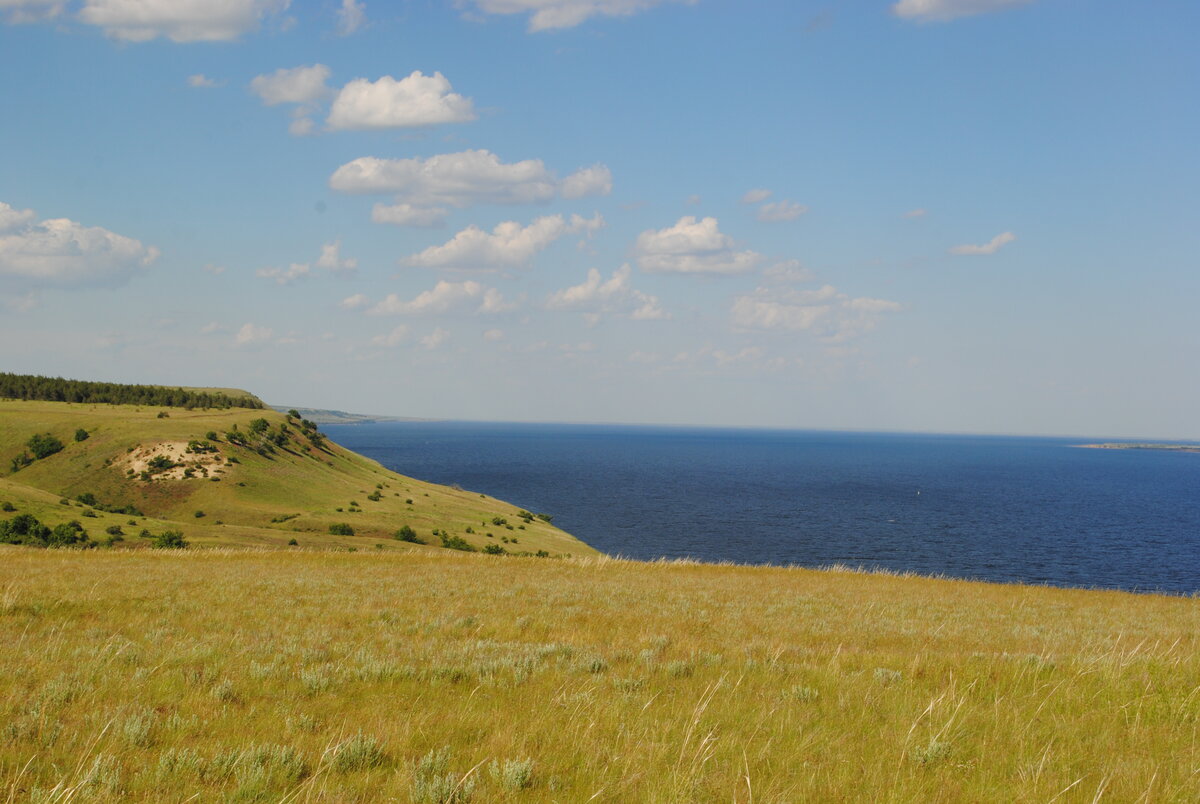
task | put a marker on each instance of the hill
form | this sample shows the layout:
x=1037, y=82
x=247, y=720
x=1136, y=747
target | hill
x=237, y=477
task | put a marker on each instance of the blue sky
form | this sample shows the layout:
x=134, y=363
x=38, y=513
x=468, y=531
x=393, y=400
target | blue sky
x=940, y=215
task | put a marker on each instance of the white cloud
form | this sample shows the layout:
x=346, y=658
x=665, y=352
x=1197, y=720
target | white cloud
x=409, y=215
x=788, y=271
x=832, y=316
x=332, y=260
x=435, y=339
x=351, y=17
x=215, y=270
x=509, y=243
x=458, y=180
x=303, y=85
x=942, y=10
x=692, y=247
x=301, y=126
x=756, y=196
x=12, y=218
x=594, y=180
x=417, y=100
x=354, y=302
x=916, y=213
x=20, y=11
x=284, y=276
x=782, y=210
x=393, y=338
x=201, y=81
x=64, y=253
x=493, y=335
x=548, y=15
x=493, y=302
x=597, y=296
x=693, y=200
x=178, y=20
x=990, y=247
x=251, y=334
x=442, y=297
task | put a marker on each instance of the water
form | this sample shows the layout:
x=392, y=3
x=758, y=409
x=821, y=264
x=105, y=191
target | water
x=992, y=508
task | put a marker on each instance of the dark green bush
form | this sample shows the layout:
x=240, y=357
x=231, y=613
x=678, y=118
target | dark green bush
x=495, y=550
x=407, y=534
x=114, y=530
x=341, y=529
x=81, y=434
x=43, y=445
x=169, y=540
x=457, y=543
x=7, y=507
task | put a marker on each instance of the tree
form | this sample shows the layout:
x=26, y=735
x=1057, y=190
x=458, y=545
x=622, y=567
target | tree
x=81, y=434
x=43, y=445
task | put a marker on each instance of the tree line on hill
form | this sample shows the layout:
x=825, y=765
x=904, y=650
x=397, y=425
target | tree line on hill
x=56, y=389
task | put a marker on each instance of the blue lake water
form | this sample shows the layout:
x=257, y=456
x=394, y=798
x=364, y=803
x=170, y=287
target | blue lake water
x=1032, y=510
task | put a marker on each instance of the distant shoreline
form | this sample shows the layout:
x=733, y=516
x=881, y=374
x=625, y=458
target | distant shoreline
x=1127, y=445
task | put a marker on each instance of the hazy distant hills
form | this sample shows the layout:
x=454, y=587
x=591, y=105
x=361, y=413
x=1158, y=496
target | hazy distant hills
x=320, y=416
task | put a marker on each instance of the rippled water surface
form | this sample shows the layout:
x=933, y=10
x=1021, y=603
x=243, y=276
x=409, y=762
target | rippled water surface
x=995, y=508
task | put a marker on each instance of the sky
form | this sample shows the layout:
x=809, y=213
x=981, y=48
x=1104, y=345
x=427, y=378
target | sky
x=925, y=215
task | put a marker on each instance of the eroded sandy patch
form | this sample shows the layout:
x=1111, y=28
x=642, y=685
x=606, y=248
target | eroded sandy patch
x=203, y=464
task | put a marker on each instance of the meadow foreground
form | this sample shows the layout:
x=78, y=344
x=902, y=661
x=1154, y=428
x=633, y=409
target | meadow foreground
x=372, y=676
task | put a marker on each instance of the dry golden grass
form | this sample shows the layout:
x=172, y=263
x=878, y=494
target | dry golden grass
x=309, y=676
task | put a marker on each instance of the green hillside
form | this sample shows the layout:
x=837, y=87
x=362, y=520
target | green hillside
x=237, y=476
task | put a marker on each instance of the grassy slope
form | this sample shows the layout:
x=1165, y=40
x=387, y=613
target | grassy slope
x=210, y=675
x=250, y=494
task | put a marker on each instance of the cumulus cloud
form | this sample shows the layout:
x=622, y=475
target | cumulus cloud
x=782, y=210
x=63, y=253
x=284, y=276
x=251, y=334
x=692, y=247
x=435, y=339
x=409, y=215
x=331, y=259
x=942, y=10
x=990, y=247
x=827, y=313
x=493, y=335
x=304, y=85
x=508, y=244
x=548, y=15
x=756, y=196
x=460, y=180
x=201, y=81
x=351, y=17
x=354, y=302
x=21, y=11
x=594, y=180
x=178, y=20
x=443, y=297
x=597, y=296
x=12, y=218
x=393, y=338
x=788, y=271
x=417, y=100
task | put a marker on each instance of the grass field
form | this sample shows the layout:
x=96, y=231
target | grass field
x=292, y=490
x=441, y=676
